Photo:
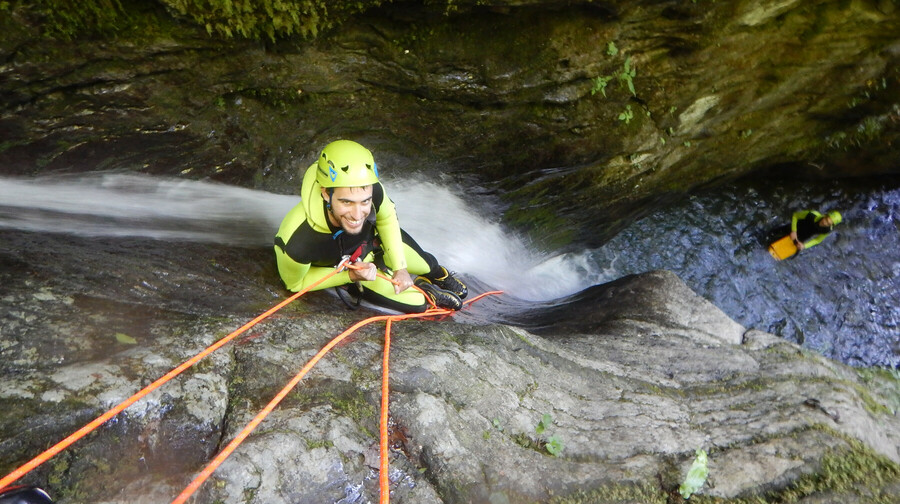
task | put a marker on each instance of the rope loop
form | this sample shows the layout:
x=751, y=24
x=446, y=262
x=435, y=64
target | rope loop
x=207, y=471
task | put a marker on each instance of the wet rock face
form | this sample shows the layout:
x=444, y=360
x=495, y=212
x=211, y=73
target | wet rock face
x=577, y=115
x=534, y=101
x=624, y=398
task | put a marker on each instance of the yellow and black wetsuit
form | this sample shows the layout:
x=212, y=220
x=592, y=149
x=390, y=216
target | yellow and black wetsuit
x=806, y=224
x=308, y=247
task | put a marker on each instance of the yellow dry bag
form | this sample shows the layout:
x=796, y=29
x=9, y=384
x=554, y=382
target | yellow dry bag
x=783, y=248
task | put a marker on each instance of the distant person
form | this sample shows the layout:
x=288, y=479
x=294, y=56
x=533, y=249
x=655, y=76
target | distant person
x=345, y=212
x=809, y=227
x=24, y=495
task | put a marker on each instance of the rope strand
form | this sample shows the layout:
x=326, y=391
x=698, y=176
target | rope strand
x=239, y=438
x=100, y=420
x=383, y=479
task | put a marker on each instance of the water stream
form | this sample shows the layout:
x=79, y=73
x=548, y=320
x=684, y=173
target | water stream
x=839, y=298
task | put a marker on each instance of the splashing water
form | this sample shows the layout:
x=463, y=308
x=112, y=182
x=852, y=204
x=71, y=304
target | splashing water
x=838, y=298
x=120, y=205
x=115, y=204
x=467, y=241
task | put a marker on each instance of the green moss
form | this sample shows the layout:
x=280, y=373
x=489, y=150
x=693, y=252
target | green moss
x=848, y=471
x=854, y=471
x=353, y=404
x=68, y=20
x=319, y=443
x=528, y=391
x=364, y=376
x=525, y=441
x=99, y=19
x=615, y=493
x=248, y=19
x=885, y=381
x=267, y=18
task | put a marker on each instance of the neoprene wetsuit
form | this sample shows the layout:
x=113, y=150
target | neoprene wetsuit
x=308, y=247
x=806, y=224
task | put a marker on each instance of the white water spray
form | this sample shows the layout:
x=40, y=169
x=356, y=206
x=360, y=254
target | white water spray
x=123, y=205
x=120, y=205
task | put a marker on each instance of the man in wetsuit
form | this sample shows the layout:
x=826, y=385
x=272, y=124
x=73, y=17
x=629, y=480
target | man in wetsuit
x=809, y=228
x=344, y=211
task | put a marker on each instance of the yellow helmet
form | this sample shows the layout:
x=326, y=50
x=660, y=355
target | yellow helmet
x=835, y=217
x=345, y=163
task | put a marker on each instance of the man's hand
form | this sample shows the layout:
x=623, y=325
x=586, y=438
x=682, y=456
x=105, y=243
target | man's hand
x=402, y=281
x=362, y=272
x=797, y=242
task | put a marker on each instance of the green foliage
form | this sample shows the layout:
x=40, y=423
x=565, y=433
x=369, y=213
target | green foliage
x=67, y=20
x=252, y=19
x=600, y=85
x=627, y=75
x=866, y=132
x=611, y=49
x=546, y=421
x=627, y=115
x=553, y=445
x=125, y=339
x=255, y=19
x=696, y=475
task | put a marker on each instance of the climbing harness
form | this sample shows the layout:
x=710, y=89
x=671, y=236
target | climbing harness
x=342, y=291
x=384, y=483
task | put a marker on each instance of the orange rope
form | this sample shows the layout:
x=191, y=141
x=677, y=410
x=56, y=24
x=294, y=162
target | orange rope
x=383, y=479
x=383, y=473
x=97, y=422
x=100, y=420
x=220, y=458
x=476, y=298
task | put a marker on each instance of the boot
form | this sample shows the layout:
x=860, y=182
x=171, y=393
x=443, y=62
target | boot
x=448, y=282
x=440, y=297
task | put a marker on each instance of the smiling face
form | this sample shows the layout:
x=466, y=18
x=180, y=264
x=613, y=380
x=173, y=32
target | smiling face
x=349, y=207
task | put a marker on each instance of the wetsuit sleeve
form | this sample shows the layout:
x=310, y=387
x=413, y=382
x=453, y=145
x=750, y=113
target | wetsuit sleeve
x=815, y=240
x=299, y=275
x=316, y=273
x=296, y=249
x=388, y=226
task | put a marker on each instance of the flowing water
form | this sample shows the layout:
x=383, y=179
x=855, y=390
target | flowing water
x=839, y=298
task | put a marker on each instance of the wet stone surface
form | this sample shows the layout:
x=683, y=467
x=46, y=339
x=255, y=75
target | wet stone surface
x=631, y=393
